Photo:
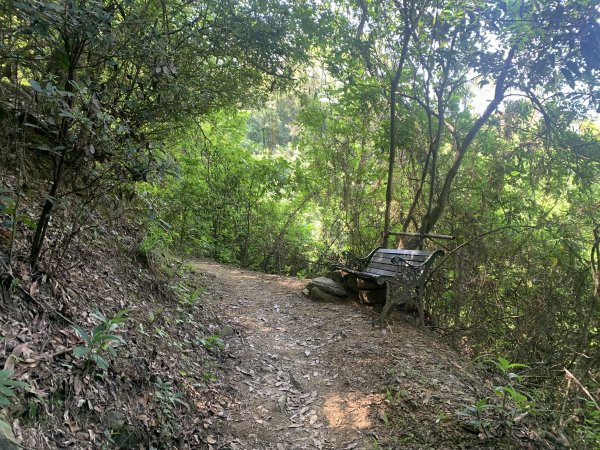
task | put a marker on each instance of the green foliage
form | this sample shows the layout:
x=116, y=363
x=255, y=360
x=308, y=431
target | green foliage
x=9, y=213
x=515, y=402
x=226, y=199
x=475, y=415
x=212, y=343
x=101, y=339
x=6, y=392
x=102, y=85
x=7, y=385
x=166, y=399
x=187, y=295
x=590, y=427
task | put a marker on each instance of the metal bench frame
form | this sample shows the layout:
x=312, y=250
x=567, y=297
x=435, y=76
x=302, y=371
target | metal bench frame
x=394, y=268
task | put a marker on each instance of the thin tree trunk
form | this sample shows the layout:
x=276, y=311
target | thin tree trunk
x=392, y=151
x=430, y=220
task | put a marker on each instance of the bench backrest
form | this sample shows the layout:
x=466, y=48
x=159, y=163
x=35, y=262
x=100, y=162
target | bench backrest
x=409, y=267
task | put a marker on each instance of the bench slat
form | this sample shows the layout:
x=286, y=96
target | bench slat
x=400, y=252
x=380, y=272
x=379, y=266
x=389, y=267
x=388, y=258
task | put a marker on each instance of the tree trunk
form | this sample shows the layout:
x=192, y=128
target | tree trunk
x=392, y=150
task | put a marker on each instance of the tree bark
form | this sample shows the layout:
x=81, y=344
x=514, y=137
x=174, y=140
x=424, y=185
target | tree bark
x=392, y=150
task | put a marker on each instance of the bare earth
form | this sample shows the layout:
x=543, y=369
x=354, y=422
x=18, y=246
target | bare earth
x=308, y=375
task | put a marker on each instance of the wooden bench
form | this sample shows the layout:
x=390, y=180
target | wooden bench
x=394, y=268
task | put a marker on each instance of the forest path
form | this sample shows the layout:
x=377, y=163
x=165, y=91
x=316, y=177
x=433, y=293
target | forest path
x=308, y=375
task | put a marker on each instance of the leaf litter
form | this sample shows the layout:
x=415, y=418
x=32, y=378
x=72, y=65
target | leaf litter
x=290, y=374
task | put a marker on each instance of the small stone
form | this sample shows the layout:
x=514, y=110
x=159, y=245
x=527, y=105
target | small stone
x=115, y=420
x=226, y=331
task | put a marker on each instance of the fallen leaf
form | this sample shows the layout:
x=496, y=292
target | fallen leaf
x=10, y=363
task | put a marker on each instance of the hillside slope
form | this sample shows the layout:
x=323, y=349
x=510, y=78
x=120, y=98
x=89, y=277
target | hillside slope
x=214, y=357
x=319, y=375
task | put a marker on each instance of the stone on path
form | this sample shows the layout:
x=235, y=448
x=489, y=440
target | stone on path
x=326, y=289
x=328, y=286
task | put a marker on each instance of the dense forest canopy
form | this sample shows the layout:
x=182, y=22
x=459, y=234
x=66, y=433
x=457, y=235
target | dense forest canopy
x=276, y=134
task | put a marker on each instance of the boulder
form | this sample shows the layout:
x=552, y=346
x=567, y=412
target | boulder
x=350, y=281
x=335, y=275
x=318, y=294
x=328, y=286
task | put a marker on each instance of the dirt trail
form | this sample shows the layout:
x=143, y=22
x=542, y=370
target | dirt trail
x=307, y=375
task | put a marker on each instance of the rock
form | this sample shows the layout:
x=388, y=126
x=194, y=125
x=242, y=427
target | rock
x=306, y=292
x=372, y=297
x=335, y=275
x=115, y=420
x=328, y=286
x=318, y=294
x=226, y=331
x=351, y=282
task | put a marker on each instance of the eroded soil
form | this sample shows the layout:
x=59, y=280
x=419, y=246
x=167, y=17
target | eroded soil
x=308, y=375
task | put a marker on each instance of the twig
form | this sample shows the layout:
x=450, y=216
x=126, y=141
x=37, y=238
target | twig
x=572, y=377
x=511, y=227
x=45, y=307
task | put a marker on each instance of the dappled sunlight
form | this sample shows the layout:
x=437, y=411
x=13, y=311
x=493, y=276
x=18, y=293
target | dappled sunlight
x=250, y=323
x=245, y=275
x=351, y=410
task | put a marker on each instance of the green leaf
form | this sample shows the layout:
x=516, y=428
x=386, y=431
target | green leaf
x=6, y=430
x=4, y=401
x=36, y=86
x=80, y=352
x=568, y=76
x=115, y=338
x=6, y=391
x=481, y=404
x=27, y=221
x=15, y=383
x=82, y=334
x=100, y=362
x=6, y=374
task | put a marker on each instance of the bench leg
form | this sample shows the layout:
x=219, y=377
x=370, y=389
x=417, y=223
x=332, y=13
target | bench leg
x=388, y=302
x=421, y=307
x=401, y=297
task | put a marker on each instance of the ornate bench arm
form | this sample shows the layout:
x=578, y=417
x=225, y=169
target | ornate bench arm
x=354, y=262
x=401, y=262
x=408, y=272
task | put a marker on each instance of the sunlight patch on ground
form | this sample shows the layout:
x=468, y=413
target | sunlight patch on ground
x=252, y=324
x=353, y=410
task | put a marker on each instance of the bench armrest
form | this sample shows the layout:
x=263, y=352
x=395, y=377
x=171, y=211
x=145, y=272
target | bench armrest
x=409, y=273
x=355, y=262
x=401, y=262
